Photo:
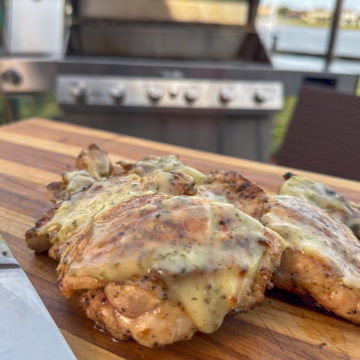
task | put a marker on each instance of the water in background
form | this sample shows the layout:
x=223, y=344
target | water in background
x=309, y=39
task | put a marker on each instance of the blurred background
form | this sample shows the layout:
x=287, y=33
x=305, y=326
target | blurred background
x=261, y=80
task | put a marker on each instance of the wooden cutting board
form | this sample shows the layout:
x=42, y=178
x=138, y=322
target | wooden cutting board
x=35, y=152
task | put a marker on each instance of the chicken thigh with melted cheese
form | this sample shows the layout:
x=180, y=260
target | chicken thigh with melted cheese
x=232, y=187
x=322, y=256
x=320, y=195
x=191, y=257
x=160, y=252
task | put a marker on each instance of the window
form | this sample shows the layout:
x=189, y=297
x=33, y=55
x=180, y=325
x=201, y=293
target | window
x=296, y=33
x=347, y=49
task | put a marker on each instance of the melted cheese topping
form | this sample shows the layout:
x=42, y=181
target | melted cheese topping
x=77, y=180
x=208, y=194
x=80, y=210
x=209, y=297
x=167, y=164
x=322, y=196
x=307, y=228
x=207, y=253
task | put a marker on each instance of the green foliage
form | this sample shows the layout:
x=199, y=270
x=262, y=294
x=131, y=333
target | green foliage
x=357, y=91
x=286, y=21
x=2, y=111
x=41, y=105
x=281, y=123
x=283, y=11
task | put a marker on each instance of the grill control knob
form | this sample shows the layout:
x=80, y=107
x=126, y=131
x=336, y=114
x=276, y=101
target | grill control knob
x=259, y=97
x=79, y=93
x=192, y=93
x=227, y=94
x=12, y=77
x=155, y=92
x=174, y=91
x=117, y=92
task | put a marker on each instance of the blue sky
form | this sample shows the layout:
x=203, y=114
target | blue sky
x=308, y=4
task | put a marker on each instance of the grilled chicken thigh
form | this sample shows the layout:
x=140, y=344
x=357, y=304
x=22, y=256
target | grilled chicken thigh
x=316, y=193
x=81, y=208
x=147, y=316
x=232, y=187
x=160, y=252
x=174, y=262
x=322, y=256
x=225, y=186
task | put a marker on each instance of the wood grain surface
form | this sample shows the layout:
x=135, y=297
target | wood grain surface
x=34, y=152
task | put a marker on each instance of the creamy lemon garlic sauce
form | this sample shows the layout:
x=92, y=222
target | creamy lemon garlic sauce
x=204, y=273
x=318, y=194
x=77, y=180
x=212, y=196
x=309, y=229
x=80, y=210
x=167, y=164
x=77, y=212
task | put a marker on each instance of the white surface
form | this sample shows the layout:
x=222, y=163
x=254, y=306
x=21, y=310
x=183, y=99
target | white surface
x=35, y=27
x=27, y=329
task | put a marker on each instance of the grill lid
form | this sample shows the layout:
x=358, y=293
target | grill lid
x=117, y=28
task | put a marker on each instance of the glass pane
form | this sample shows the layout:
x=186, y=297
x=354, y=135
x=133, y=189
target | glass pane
x=348, y=39
x=345, y=66
x=2, y=23
x=292, y=26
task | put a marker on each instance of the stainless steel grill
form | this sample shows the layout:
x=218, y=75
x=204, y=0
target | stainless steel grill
x=186, y=83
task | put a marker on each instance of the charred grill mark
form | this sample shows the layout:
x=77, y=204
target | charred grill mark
x=238, y=190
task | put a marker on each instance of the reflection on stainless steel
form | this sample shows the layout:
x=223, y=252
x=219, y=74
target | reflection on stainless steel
x=143, y=92
x=26, y=75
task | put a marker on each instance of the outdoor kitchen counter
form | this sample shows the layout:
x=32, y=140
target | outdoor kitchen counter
x=35, y=152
